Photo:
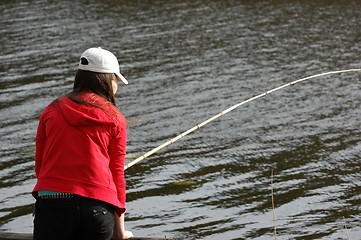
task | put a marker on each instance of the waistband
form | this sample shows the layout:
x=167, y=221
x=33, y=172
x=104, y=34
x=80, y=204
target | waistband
x=59, y=196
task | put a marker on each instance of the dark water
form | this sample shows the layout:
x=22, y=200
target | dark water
x=187, y=61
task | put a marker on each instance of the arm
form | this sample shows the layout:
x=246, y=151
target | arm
x=117, y=157
x=117, y=152
x=119, y=231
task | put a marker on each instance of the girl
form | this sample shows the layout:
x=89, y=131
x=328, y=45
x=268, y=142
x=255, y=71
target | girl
x=79, y=160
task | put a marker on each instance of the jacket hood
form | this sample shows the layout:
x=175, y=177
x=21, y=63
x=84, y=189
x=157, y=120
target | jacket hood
x=85, y=114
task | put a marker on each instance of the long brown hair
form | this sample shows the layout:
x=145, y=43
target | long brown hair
x=98, y=83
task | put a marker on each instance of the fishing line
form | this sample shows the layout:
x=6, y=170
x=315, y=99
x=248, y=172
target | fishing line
x=144, y=156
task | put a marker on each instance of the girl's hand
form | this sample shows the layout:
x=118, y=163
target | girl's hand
x=119, y=232
x=121, y=236
x=128, y=234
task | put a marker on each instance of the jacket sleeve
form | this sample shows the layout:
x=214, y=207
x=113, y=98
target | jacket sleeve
x=39, y=141
x=117, y=152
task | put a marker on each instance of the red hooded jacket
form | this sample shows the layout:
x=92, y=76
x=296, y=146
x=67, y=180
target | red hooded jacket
x=80, y=149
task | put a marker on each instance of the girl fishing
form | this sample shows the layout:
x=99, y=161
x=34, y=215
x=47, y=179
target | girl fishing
x=79, y=160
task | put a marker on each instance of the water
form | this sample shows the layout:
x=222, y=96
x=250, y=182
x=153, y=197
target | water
x=186, y=61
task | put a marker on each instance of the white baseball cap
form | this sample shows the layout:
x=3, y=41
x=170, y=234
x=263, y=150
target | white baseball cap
x=101, y=61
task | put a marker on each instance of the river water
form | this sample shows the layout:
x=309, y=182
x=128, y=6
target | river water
x=186, y=61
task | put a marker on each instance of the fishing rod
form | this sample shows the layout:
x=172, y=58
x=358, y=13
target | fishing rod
x=154, y=150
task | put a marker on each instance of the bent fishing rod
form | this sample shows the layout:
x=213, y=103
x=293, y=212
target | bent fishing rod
x=154, y=150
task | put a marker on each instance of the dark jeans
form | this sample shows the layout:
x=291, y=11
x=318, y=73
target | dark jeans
x=73, y=219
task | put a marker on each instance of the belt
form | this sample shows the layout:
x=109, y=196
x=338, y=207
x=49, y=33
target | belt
x=59, y=196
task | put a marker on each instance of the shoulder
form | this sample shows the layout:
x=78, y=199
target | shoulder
x=116, y=115
x=50, y=107
x=53, y=105
x=111, y=110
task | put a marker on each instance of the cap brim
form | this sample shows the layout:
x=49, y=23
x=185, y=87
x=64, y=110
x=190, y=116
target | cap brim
x=122, y=78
